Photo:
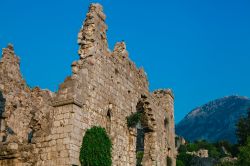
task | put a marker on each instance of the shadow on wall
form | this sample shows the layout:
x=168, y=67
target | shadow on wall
x=2, y=124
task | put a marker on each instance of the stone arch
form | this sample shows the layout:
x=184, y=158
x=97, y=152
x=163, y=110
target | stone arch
x=166, y=128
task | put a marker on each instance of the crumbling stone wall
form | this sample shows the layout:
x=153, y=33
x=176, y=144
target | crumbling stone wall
x=165, y=100
x=105, y=87
x=24, y=113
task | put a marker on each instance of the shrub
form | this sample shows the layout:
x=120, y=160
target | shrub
x=134, y=119
x=179, y=163
x=139, y=157
x=192, y=147
x=202, y=144
x=96, y=148
x=226, y=164
x=244, y=154
x=243, y=129
x=182, y=148
x=185, y=158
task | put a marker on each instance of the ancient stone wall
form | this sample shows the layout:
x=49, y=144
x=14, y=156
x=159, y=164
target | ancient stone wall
x=24, y=112
x=165, y=100
x=105, y=87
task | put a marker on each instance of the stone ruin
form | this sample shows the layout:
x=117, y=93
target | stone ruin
x=40, y=127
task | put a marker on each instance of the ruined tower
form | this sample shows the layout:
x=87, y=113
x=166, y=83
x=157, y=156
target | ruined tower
x=39, y=127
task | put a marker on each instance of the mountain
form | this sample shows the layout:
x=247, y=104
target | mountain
x=215, y=120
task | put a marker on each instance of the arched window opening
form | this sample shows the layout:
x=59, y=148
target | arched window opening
x=140, y=137
x=166, y=123
x=30, y=136
x=108, y=122
x=2, y=107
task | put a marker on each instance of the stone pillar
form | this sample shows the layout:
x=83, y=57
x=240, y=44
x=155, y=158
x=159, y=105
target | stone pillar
x=2, y=121
x=132, y=146
x=150, y=156
x=171, y=127
x=67, y=132
x=165, y=99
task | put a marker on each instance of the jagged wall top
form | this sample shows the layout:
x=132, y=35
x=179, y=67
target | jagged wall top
x=92, y=36
x=163, y=92
x=8, y=55
x=10, y=65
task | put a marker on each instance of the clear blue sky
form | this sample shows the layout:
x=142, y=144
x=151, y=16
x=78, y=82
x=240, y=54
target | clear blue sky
x=199, y=48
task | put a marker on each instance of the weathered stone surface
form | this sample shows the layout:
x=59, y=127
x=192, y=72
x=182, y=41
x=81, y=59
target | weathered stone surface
x=39, y=127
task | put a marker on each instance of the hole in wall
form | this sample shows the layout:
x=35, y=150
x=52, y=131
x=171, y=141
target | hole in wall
x=4, y=139
x=108, y=123
x=116, y=71
x=10, y=131
x=30, y=137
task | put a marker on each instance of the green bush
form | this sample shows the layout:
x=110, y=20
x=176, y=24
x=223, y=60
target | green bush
x=185, y=158
x=226, y=164
x=202, y=144
x=192, y=147
x=96, y=148
x=182, y=148
x=243, y=129
x=179, y=163
x=139, y=157
x=244, y=154
x=134, y=119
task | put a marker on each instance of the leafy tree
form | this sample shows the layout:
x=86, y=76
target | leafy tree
x=227, y=145
x=231, y=148
x=203, y=144
x=191, y=147
x=96, y=148
x=244, y=154
x=235, y=150
x=213, y=152
x=182, y=148
x=185, y=158
x=243, y=129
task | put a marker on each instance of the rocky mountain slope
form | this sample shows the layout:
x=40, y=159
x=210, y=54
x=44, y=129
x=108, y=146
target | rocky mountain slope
x=215, y=120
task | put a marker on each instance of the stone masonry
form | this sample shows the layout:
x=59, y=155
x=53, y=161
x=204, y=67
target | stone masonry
x=39, y=127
